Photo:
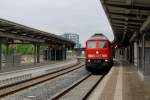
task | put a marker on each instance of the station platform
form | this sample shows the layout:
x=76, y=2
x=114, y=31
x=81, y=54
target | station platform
x=21, y=73
x=122, y=83
x=28, y=66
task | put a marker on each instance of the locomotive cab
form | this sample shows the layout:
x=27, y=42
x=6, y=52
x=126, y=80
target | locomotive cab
x=98, y=53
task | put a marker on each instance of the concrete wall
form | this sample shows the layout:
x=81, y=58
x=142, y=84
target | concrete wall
x=13, y=60
x=147, y=44
x=135, y=53
x=147, y=59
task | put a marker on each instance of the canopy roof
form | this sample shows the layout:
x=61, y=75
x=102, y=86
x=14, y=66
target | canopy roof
x=126, y=17
x=13, y=30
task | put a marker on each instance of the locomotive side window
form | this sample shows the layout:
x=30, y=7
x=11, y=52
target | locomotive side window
x=91, y=45
x=102, y=45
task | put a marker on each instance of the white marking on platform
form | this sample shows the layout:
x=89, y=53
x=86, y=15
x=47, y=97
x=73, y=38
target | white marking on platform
x=118, y=90
x=31, y=96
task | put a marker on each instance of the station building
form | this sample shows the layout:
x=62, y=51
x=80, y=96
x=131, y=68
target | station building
x=74, y=37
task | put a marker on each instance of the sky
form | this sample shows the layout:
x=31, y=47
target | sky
x=84, y=17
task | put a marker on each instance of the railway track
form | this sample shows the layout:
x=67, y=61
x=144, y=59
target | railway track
x=80, y=90
x=13, y=88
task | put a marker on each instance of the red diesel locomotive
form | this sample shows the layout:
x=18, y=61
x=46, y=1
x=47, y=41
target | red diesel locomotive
x=98, y=53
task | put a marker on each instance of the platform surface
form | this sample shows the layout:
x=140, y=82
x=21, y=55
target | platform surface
x=28, y=66
x=27, y=72
x=122, y=83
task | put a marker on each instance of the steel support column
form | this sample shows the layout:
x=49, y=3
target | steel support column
x=138, y=55
x=131, y=53
x=35, y=53
x=7, y=48
x=49, y=54
x=47, y=58
x=38, y=53
x=63, y=52
x=55, y=52
x=128, y=53
x=143, y=51
x=52, y=54
x=0, y=53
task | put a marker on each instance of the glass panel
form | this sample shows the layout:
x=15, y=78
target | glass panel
x=102, y=45
x=91, y=45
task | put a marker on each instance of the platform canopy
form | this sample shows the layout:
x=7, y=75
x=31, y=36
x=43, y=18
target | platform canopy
x=126, y=17
x=17, y=31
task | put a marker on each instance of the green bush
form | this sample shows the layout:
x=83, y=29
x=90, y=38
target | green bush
x=24, y=49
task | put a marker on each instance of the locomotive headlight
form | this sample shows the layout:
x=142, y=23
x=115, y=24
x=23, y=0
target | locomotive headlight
x=97, y=52
x=89, y=60
x=106, y=60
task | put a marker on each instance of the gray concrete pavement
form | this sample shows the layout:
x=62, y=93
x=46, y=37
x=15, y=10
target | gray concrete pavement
x=28, y=72
x=122, y=83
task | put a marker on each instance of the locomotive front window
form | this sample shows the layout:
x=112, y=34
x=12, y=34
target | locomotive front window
x=102, y=45
x=91, y=45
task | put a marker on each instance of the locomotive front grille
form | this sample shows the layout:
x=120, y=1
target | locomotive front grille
x=97, y=61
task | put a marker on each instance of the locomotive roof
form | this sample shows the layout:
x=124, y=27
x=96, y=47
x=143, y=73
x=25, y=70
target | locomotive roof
x=98, y=37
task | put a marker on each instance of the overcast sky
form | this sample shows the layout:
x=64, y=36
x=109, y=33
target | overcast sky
x=84, y=17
